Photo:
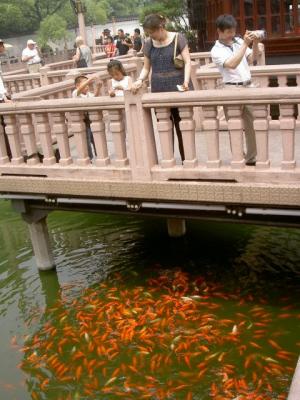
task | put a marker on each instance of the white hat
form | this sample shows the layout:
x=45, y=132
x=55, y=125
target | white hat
x=30, y=41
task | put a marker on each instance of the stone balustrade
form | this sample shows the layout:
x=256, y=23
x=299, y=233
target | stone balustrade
x=63, y=88
x=263, y=76
x=132, y=145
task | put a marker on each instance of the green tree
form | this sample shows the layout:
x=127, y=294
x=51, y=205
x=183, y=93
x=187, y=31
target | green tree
x=176, y=12
x=53, y=28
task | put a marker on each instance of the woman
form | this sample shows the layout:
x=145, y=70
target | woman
x=83, y=56
x=159, y=57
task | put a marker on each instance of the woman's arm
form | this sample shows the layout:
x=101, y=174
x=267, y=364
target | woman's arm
x=143, y=75
x=187, y=67
x=77, y=55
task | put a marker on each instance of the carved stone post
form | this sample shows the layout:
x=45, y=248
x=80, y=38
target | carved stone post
x=37, y=225
x=44, y=133
x=287, y=127
x=79, y=130
x=187, y=127
x=210, y=126
x=13, y=139
x=165, y=130
x=141, y=139
x=61, y=131
x=235, y=127
x=98, y=129
x=261, y=127
x=44, y=75
x=176, y=227
x=282, y=80
x=3, y=151
x=117, y=128
x=28, y=135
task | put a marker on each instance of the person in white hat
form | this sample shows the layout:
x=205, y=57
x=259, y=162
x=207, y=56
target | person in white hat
x=31, y=56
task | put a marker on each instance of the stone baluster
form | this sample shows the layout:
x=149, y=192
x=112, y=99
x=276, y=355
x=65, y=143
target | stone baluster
x=117, y=128
x=79, y=130
x=166, y=135
x=44, y=134
x=61, y=131
x=3, y=151
x=210, y=127
x=287, y=127
x=21, y=86
x=282, y=80
x=298, y=106
x=14, y=139
x=28, y=135
x=235, y=127
x=98, y=129
x=140, y=136
x=187, y=127
x=28, y=84
x=261, y=127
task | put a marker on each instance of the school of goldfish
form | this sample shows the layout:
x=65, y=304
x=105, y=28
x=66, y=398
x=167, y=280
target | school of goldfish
x=170, y=338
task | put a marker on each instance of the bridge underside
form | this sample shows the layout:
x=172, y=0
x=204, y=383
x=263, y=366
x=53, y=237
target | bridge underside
x=275, y=204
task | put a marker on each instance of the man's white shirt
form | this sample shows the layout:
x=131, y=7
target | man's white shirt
x=2, y=89
x=29, y=53
x=221, y=53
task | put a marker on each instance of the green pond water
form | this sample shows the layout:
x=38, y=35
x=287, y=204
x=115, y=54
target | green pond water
x=134, y=314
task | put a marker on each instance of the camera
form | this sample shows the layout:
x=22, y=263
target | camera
x=260, y=34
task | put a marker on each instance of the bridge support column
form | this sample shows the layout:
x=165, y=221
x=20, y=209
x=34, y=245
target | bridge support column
x=176, y=227
x=37, y=225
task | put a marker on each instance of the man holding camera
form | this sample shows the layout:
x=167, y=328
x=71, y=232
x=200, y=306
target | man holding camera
x=232, y=57
x=31, y=56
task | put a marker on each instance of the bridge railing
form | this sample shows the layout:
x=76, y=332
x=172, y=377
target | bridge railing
x=263, y=76
x=63, y=88
x=133, y=144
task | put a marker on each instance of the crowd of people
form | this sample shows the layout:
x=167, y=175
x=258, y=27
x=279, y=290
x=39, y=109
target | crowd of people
x=167, y=61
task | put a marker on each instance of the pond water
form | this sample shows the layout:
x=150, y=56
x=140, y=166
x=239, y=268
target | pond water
x=134, y=314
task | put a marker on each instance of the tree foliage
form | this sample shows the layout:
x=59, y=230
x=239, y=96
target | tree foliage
x=54, y=28
x=176, y=12
x=25, y=16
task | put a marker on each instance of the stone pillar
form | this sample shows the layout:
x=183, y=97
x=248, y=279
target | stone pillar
x=81, y=24
x=294, y=393
x=176, y=227
x=36, y=220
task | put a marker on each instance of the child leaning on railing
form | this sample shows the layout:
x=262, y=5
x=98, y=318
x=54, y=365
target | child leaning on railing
x=82, y=90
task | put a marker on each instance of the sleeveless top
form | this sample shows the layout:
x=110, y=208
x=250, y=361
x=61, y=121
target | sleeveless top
x=124, y=83
x=165, y=77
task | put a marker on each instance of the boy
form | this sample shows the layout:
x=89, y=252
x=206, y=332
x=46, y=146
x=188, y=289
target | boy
x=82, y=83
x=232, y=55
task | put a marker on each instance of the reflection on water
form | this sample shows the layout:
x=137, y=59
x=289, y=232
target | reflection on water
x=90, y=248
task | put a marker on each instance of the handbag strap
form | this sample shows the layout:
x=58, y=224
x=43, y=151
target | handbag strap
x=175, y=46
